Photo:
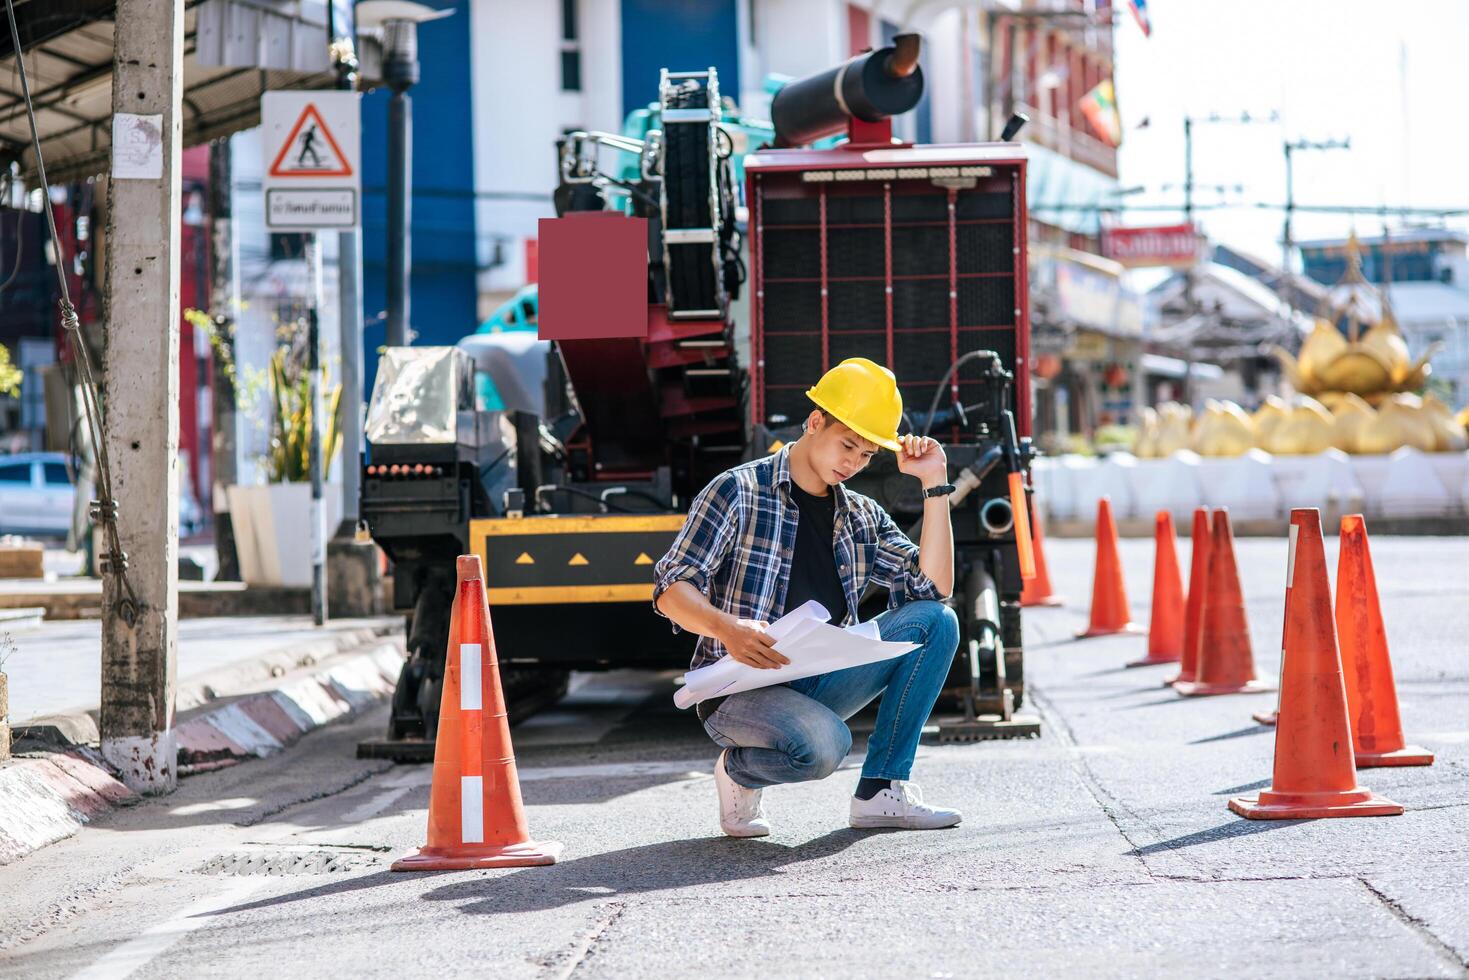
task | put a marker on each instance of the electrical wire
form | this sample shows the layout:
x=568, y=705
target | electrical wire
x=933, y=406
x=105, y=507
x=20, y=244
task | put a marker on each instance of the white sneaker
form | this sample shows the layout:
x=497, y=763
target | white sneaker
x=901, y=805
x=740, y=812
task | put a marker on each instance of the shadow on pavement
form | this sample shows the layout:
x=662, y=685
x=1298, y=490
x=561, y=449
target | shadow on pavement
x=1240, y=733
x=1122, y=669
x=1247, y=787
x=1235, y=828
x=1175, y=699
x=647, y=868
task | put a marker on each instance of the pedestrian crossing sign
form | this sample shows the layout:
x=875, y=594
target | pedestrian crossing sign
x=311, y=149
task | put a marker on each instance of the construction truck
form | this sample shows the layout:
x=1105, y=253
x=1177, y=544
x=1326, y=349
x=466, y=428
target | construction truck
x=683, y=316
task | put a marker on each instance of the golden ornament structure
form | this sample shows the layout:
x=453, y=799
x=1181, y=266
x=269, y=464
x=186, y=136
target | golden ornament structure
x=1355, y=393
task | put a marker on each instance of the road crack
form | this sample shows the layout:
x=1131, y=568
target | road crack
x=1109, y=804
x=1418, y=926
x=586, y=946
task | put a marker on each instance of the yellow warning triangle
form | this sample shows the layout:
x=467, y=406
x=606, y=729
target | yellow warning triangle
x=578, y=559
x=643, y=559
x=525, y=559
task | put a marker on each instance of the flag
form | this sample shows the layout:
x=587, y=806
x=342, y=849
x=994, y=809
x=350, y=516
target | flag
x=1140, y=14
x=1099, y=106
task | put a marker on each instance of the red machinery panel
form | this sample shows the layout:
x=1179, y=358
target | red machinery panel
x=593, y=268
x=910, y=256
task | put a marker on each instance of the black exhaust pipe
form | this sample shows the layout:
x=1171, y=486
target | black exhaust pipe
x=871, y=87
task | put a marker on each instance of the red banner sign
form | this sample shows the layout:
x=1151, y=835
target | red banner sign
x=1170, y=245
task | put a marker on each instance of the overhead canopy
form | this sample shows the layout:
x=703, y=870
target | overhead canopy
x=68, y=58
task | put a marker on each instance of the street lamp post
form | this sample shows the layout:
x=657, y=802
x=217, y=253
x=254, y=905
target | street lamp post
x=399, y=21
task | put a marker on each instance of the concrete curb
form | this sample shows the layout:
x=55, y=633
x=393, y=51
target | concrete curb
x=44, y=799
x=262, y=723
x=48, y=796
x=78, y=726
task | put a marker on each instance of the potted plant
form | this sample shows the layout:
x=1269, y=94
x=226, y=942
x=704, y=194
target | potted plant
x=273, y=523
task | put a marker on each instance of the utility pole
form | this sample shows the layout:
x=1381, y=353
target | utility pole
x=1287, y=241
x=141, y=371
x=1191, y=307
x=1186, y=384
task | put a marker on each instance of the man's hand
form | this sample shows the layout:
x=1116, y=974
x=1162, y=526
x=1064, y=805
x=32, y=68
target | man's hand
x=924, y=458
x=747, y=641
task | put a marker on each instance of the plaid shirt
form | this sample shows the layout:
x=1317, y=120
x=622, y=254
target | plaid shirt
x=737, y=544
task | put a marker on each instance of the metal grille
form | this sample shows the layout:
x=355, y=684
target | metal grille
x=934, y=308
x=856, y=306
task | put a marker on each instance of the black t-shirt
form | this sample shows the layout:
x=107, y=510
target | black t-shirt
x=814, y=564
x=813, y=573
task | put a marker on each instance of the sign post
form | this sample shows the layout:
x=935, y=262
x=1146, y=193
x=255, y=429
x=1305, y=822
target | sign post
x=313, y=182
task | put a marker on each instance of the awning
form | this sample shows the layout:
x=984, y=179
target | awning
x=68, y=52
x=1173, y=367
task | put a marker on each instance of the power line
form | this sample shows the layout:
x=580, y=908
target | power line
x=1362, y=209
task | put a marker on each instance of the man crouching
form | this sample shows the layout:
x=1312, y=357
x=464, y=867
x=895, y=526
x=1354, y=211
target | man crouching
x=765, y=537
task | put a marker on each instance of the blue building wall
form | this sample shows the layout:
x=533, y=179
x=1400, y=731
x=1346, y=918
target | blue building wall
x=442, y=290
x=1411, y=262
x=680, y=35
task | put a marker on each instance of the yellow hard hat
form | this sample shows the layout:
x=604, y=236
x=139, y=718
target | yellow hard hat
x=863, y=396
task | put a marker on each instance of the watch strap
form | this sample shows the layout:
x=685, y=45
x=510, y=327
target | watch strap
x=942, y=491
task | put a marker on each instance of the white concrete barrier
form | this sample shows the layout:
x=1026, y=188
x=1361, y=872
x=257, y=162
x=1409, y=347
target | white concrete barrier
x=1114, y=478
x=1325, y=480
x=1257, y=486
x=1242, y=483
x=1411, y=488
x=1170, y=484
x=1064, y=478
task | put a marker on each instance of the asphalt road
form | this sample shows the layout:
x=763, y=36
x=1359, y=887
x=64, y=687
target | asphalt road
x=1103, y=848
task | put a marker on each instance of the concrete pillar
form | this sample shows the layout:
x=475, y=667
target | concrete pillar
x=141, y=371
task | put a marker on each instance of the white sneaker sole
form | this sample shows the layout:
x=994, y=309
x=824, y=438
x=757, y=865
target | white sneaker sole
x=899, y=823
x=745, y=831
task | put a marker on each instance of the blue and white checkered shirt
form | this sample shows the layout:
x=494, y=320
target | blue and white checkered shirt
x=737, y=544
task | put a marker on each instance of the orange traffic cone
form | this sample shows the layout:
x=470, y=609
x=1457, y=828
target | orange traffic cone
x=1165, y=630
x=1193, y=608
x=1109, y=597
x=475, y=817
x=1272, y=716
x=1372, y=697
x=1226, y=663
x=1314, y=772
x=1037, y=591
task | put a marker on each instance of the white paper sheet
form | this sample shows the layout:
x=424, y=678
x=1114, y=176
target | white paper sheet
x=812, y=645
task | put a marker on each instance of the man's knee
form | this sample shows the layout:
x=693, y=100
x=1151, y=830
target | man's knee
x=942, y=625
x=816, y=748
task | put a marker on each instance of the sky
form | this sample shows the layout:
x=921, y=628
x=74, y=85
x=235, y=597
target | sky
x=1387, y=74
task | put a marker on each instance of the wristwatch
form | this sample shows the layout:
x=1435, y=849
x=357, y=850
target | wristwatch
x=942, y=491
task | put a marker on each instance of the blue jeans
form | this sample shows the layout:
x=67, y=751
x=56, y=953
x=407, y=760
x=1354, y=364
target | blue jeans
x=792, y=732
